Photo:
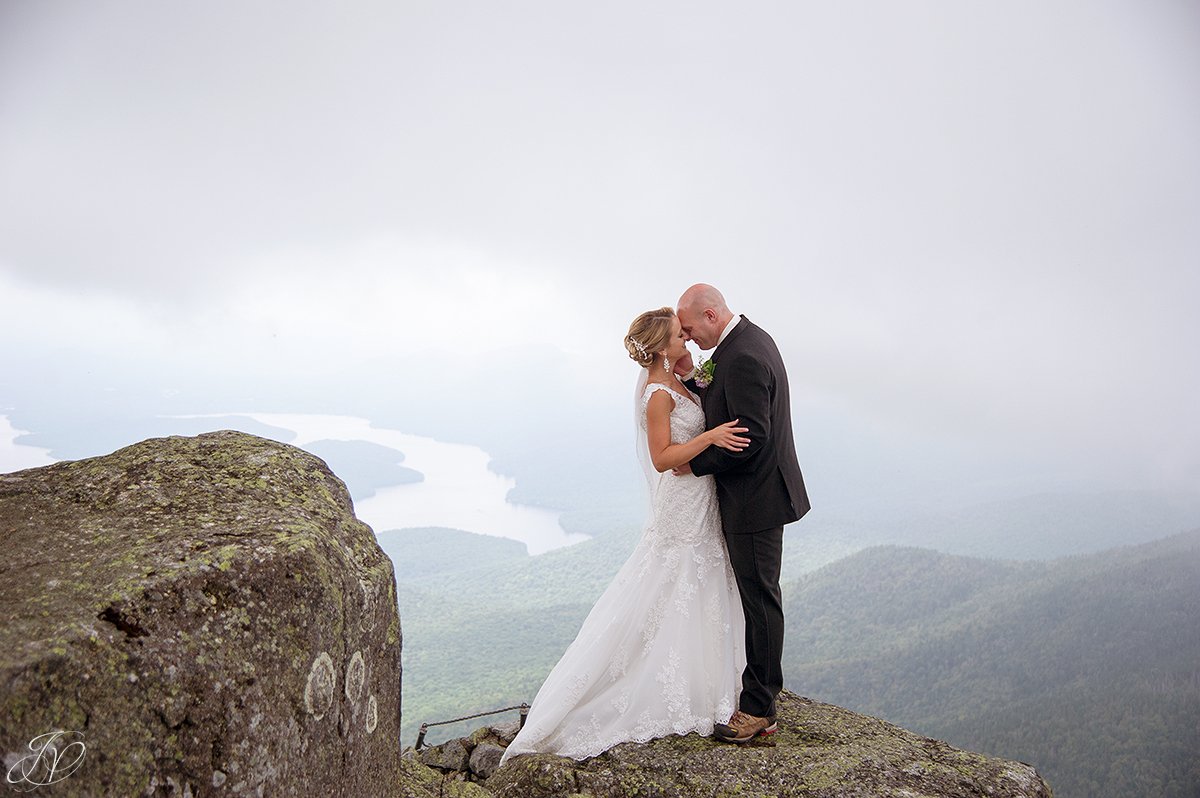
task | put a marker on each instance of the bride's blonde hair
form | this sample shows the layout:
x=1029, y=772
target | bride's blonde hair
x=649, y=333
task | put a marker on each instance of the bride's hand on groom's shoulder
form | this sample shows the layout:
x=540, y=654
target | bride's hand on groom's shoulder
x=684, y=366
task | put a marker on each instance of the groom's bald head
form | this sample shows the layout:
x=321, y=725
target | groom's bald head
x=703, y=314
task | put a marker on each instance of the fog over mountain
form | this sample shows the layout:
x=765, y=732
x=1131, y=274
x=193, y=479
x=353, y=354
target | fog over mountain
x=971, y=228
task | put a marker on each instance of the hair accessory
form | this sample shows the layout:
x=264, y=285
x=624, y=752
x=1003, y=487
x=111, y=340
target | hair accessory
x=638, y=345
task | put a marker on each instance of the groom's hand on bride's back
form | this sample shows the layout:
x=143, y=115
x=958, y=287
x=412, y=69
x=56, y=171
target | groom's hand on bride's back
x=682, y=470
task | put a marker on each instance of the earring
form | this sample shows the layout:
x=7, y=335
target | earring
x=666, y=364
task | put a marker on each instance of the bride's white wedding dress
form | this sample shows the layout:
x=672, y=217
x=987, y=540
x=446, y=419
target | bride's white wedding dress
x=662, y=650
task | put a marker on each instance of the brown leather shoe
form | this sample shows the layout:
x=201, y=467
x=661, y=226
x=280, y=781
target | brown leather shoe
x=743, y=727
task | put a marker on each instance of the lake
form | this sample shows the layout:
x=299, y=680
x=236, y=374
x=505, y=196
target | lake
x=458, y=491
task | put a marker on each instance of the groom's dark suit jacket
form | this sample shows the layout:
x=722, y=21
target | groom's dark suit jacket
x=760, y=487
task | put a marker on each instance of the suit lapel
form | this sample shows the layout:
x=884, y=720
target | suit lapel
x=737, y=330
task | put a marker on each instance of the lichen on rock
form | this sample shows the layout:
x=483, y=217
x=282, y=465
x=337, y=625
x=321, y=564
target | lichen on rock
x=820, y=751
x=207, y=612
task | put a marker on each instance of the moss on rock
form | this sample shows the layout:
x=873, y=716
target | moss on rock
x=191, y=606
x=820, y=751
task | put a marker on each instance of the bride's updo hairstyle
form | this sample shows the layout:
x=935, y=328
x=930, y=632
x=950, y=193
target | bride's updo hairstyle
x=649, y=333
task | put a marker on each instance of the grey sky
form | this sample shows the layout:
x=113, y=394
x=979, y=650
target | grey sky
x=969, y=221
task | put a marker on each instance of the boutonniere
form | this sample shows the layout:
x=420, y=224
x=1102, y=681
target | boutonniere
x=704, y=373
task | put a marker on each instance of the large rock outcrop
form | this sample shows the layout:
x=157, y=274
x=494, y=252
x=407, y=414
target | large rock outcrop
x=208, y=614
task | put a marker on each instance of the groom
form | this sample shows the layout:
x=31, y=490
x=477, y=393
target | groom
x=759, y=488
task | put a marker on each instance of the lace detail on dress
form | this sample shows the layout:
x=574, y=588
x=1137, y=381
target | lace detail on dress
x=662, y=650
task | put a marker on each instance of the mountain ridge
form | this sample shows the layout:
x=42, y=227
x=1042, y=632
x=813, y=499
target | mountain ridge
x=1097, y=637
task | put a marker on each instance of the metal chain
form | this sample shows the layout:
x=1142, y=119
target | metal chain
x=479, y=715
x=425, y=726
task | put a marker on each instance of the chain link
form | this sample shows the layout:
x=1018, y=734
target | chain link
x=479, y=715
x=425, y=726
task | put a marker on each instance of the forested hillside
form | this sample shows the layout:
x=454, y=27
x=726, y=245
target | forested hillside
x=1088, y=667
x=484, y=622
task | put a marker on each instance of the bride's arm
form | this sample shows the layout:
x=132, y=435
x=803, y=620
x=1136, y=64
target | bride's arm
x=666, y=455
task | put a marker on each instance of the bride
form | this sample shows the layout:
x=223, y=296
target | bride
x=662, y=650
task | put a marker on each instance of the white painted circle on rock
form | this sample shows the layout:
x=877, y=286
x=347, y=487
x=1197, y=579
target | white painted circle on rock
x=322, y=681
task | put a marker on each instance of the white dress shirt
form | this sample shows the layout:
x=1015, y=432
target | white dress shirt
x=728, y=328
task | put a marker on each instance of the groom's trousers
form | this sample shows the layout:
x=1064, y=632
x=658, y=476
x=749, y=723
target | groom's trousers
x=756, y=558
